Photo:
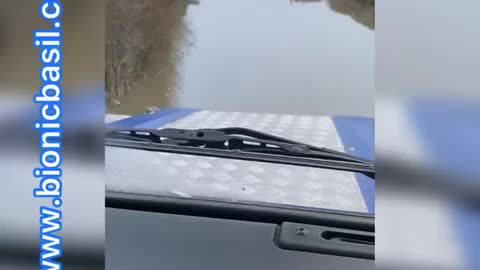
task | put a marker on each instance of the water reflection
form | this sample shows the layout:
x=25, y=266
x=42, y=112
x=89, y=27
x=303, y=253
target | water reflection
x=362, y=11
x=143, y=48
x=208, y=54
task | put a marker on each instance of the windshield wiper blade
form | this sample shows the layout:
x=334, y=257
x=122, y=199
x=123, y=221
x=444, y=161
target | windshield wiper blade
x=238, y=143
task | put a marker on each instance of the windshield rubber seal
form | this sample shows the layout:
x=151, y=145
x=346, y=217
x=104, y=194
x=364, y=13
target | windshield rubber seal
x=239, y=211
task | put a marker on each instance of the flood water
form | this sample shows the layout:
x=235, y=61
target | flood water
x=275, y=56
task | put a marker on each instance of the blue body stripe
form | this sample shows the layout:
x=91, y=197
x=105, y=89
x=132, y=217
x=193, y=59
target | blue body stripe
x=359, y=133
x=467, y=222
x=165, y=119
x=154, y=120
x=450, y=133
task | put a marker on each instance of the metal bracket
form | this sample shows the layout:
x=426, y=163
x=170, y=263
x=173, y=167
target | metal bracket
x=326, y=240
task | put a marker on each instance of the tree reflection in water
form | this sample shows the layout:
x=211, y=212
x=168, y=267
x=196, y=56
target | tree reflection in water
x=144, y=45
x=146, y=41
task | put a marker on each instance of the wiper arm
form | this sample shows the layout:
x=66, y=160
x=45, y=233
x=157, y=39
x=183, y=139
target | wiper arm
x=238, y=143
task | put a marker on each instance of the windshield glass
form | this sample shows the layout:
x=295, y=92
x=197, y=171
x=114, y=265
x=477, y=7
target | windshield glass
x=287, y=68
